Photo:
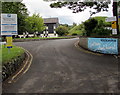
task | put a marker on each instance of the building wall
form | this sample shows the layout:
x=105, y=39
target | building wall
x=51, y=27
x=50, y=30
x=83, y=42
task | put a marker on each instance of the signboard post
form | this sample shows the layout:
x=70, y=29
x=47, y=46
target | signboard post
x=114, y=27
x=114, y=24
x=9, y=41
x=9, y=27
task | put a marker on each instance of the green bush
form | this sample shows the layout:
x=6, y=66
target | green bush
x=62, y=30
x=101, y=32
x=90, y=25
x=94, y=27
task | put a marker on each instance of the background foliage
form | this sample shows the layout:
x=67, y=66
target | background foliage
x=100, y=28
x=25, y=22
x=97, y=27
x=62, y=30
x=34, y=23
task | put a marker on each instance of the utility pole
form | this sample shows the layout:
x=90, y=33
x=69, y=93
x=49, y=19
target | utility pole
x=115, y=13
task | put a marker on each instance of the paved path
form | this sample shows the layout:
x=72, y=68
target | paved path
x=59, y=67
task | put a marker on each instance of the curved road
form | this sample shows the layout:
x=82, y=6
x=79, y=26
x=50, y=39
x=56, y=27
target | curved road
x=59, y=67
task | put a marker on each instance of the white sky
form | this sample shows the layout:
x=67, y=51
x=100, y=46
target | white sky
x=65, y=15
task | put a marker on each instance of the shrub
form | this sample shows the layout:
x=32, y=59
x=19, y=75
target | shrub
x=90, y=25
x=94, y=27
x=62, y=30
x=101, y=32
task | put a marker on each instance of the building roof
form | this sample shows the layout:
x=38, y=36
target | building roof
x=50, y=20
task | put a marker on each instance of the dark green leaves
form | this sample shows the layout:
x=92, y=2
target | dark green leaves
x=81, y=6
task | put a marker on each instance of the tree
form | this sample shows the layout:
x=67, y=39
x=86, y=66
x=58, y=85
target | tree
x=66, y=25
x=19, y=9
x=34, y=23
x=90, y=25
x=78, y=6
x=74, y=24
x=101, y=30
x=62, y=30
x=97, y=26
x=81, y=6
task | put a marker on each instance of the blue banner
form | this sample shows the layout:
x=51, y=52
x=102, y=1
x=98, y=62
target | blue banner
x=103, y=45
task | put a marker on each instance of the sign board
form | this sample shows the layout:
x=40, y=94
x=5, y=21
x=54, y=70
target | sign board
x=9, y=24
x=114, y=25
x=110, y=19
x=103, y=45
x=9, y=41
x=114, y=31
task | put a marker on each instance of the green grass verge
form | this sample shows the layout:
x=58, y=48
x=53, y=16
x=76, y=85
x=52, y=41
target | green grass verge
x=9, y=55
x=44, y=38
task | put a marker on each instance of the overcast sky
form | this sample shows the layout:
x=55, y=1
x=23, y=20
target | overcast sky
x=65, y=15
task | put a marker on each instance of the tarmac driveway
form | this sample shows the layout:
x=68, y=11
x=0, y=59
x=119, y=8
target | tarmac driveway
x=59, y=67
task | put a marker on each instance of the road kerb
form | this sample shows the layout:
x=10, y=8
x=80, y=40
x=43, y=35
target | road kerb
x=84, y=50
x=23, y=69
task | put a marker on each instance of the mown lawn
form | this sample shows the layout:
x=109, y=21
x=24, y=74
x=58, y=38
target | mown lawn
x=7, y=55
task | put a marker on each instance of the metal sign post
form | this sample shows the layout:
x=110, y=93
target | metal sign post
x=9, y=28
x=114, y=28
x=9, y=42
x=114, y=24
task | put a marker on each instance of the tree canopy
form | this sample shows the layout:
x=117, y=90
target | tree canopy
x=96, y=26
x=34, y=23
x=81, y=6
x=102, y=18
x=89, y=25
